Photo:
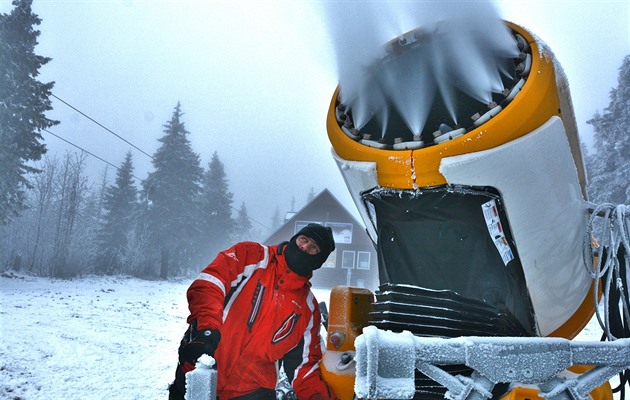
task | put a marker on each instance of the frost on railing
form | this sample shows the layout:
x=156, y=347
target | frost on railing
x=607, y=238
x=386, y=362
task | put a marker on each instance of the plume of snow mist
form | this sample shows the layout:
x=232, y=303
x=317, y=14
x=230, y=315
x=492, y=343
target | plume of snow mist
x=404, y=67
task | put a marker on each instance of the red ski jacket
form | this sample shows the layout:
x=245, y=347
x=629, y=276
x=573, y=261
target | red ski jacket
x=267, y=314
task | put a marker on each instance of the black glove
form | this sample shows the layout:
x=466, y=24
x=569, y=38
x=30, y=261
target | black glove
x=196, y=343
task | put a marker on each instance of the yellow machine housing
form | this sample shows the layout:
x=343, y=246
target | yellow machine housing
x=534, y=141
x=544, y=94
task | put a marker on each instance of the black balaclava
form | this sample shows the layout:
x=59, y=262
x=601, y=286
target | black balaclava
x=303, y=263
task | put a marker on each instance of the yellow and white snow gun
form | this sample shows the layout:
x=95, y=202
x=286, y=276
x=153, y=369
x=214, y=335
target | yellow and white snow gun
x=477, y=208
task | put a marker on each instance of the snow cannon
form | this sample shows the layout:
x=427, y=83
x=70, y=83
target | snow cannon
x=475, y=201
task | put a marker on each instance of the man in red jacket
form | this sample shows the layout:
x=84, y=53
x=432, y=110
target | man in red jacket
x=253, y=310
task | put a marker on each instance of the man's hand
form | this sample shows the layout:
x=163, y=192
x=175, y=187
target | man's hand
x=200, y=342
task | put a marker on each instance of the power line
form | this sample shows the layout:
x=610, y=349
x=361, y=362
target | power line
x=259, y=223
x=121, y=138
x=102, y=126
x=92, y=154
x=140, y=180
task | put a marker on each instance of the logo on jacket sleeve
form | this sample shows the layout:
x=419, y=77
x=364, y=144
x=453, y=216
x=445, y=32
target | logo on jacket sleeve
x=286, y=328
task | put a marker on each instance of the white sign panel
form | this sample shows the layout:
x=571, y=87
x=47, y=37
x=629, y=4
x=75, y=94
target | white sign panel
x=495, y=229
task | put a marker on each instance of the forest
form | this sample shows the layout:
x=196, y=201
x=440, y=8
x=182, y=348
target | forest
x=178, y=217
x=55, y=222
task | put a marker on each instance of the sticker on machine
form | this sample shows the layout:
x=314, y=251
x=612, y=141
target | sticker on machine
x=495, y=229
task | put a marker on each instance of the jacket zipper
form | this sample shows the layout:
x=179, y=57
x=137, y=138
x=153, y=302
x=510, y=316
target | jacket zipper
x=256, y=302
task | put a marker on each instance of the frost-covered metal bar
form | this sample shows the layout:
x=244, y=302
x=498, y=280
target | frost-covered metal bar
x=386, y=363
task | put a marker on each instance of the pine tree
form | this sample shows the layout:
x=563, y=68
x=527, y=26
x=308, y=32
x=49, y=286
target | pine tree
x=243, y=223
x=172, y=191
x=276, y=220
x=292, y=204
x=24, y=101
x=119, y=203
x=216, y=208
x=609, y=169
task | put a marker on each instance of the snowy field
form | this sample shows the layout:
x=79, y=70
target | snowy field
x=96, y=337
x=90, y=338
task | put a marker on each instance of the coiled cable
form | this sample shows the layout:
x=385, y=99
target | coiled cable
x=607, y=259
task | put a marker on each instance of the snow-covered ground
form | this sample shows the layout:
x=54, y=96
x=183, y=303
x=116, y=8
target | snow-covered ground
x=90, y=338
x=96, y=337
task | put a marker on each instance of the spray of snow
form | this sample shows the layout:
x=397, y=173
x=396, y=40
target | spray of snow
x=458, y=48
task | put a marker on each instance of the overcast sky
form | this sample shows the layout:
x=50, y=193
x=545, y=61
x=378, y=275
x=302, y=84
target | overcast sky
x=255, y=79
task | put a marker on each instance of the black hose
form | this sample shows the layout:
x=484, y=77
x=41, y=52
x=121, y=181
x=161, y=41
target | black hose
x=619, y=325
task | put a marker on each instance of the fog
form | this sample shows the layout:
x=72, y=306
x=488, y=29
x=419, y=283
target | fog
x=255, y=79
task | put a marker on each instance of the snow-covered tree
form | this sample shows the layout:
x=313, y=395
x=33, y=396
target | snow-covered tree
x=101, y=196
x=243, y=224
x=71, y=191
x=55, y=235
x=276, y=219
x=42, y=197
x=609, y=167
x=217, y=228
x=172, y=191
x=23, y=104
x=119, y=203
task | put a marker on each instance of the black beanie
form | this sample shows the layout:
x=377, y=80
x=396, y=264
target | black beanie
x=322, y=235
x=303, y=263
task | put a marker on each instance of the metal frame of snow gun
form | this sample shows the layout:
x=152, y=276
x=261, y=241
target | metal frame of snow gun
x=386, y=362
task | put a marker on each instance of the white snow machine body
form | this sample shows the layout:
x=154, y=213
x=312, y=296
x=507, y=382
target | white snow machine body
x=479, y=222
